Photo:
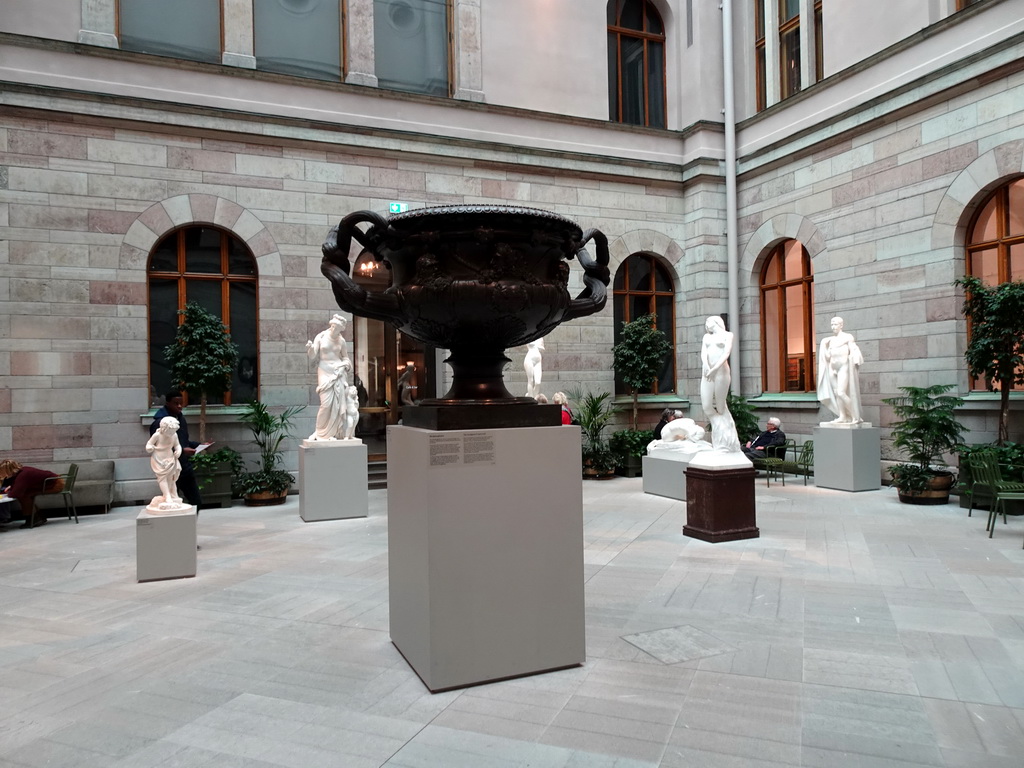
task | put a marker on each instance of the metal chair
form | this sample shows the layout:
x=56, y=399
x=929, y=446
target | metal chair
x=67, y=491
x=989, y=479
x=774, y=456
x=805, y=459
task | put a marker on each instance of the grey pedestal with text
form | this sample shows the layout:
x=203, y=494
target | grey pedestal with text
x=333, y=480
x=165, y=545
x=485, y=552
x=848, y=459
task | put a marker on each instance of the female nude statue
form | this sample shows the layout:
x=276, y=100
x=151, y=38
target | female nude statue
x=714, y=384
x=532, y=366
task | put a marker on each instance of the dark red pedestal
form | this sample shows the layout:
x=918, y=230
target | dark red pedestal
x=720, y=504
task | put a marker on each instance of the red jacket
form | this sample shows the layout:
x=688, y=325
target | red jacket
x=28, y=482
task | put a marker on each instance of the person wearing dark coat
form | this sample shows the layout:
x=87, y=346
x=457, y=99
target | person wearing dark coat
x=186, y=484
x=773, y=435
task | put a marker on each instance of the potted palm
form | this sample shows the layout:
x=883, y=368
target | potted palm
x=215, y=474
x=925, y=430
x=269, y=484
x=594, y=413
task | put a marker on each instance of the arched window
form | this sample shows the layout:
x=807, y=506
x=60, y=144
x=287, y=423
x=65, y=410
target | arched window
x=787, y=310
x=636, y=63
x=643, y=286
x=995, y=241
x=217, y=270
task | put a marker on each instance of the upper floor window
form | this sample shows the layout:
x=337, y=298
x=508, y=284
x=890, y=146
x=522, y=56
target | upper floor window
x=217, y=270
x=184, y=29
x=760, y=57
x=636, y=63
x=789, y=47
x=819, y=42
x=298, y=37
x=787, y=311
x=643, y=286
x=961, y=4
x=411, y=45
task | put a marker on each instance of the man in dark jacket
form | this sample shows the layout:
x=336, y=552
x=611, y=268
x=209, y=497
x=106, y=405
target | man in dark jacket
x=187, y=479
x=757, y=449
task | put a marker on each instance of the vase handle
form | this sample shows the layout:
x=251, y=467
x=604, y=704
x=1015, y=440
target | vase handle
x=336, y=268
x=595, y=277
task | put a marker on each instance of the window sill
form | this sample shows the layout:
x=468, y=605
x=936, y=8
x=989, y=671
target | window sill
x=652, y=402
x=795, y=401
x=215, y=414
x=989, y=401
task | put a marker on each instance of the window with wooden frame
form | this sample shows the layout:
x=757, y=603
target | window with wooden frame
x=789, y=48
x=787, y=313
x=819, y=42
x=183, y=29
x=215, y=269
x=412, y=45
x=643, y=286
x=299, y=37
x=636, y=63
x=760, y=60
x=995, y=242
x=961, y=4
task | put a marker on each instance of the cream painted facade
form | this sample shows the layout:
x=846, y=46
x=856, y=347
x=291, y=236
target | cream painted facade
x=877, y=170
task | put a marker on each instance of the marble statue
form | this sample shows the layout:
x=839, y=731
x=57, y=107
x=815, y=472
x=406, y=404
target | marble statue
x=164, y=449
x=333, y=368
x=714, y=385
x=682, y=435
x=405, y=389
x=532, y=366
x=839, y=359
x=351, y=412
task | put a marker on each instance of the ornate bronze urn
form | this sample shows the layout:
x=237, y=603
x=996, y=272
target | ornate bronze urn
x=472, y=279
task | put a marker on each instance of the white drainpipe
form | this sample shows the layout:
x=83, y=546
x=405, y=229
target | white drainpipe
x=732, y=249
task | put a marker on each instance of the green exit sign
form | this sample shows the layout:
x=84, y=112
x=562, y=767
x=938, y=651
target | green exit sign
x=398, y=207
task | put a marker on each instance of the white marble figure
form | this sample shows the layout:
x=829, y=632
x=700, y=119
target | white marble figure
x=164, y=449
x=839, y=360
x=351, y=412
x=405, y=389
x=532, y=366
x=714, y=385
x=333, y=367
x=681, y=435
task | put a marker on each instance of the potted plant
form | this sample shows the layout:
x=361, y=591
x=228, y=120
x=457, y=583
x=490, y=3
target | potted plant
x=594, y=413
x=639, y=356
x=215, y=472
x=269, y=484
x=202, y=358
x=995, y=344
x=629, y=447
x=926, y=428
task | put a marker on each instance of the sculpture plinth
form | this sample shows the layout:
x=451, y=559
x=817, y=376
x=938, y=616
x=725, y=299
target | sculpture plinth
x=720, y=504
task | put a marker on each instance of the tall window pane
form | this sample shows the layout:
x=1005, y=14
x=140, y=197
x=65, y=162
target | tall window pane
x=184, y=29
x=636, y=63
x=215, y=269
x=298, y=37
x=643, y=286
x=410, y=39
x=995, y=242
x=787, y=360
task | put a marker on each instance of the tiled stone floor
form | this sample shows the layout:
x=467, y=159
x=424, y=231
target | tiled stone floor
x=855, y=632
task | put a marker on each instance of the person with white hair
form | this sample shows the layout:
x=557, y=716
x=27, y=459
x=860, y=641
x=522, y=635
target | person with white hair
x=773, y=435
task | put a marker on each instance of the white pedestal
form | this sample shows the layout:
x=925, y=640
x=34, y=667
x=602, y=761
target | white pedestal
x=165, y=545
x=485, y=552
x=848, y=458
x=333, y=480
x=665, y=475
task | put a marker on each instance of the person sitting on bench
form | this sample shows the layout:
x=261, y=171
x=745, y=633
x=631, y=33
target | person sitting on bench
x=757, y=449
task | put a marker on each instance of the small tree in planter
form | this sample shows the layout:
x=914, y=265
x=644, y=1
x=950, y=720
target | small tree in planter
x=995, y=347
x=594, y=413
x=202, y=358
x=637, y=360
x=925, y=430
x=269, y=484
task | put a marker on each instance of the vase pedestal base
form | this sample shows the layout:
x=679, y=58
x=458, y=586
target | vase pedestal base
x=720, y=504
